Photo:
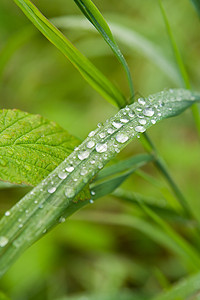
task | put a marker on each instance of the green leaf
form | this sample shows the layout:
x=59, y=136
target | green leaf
x=196, y=4
x=113, y=176
x=184, y=289
x=42, y=208
x=91, y=74
x=31, y=146
x=94, y=16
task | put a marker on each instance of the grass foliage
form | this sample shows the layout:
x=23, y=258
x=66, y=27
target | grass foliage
x=141, y=239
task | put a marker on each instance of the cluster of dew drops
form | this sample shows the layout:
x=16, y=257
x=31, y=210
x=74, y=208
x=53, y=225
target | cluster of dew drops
x=102, y=143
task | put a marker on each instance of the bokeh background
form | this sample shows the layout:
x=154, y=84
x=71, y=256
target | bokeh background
x=86, y=255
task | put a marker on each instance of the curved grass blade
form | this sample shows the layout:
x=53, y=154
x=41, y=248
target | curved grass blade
x=185, y=289
x=54, y=197
x=91, y=74
x=131, y=39
x=95, y=17
x=31, y=146
x=196, y=4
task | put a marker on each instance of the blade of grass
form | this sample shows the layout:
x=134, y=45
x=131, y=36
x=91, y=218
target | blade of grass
x=95, y=17
x=91, y=74
x=56, y=196
x=180, y=64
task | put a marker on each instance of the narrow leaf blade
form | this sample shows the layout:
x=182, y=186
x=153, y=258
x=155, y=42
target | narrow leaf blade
x=95, y=17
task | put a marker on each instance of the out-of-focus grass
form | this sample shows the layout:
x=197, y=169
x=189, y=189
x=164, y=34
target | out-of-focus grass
x=80, y=257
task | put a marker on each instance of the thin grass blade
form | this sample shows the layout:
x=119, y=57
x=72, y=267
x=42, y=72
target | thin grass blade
x=95, y=17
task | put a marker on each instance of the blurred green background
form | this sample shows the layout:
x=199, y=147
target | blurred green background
x=85, y=256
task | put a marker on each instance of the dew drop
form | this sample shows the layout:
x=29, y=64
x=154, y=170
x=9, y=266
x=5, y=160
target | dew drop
x=91, y=201
x=153, y=121
x=141, y=101
x=7, y=213
x=20, y=225
x=69, y=169
x=62, y=175
x=69, y=192
x=121, y=138
x=142, y=121
x=124, y=120
x=83, y=155
x=51, y=190
x=62, y=220
x=3, y=241
x=83, y=172
x=140, y=129
x=102, y=135
x=92, y=133
x=90, y=144
x=92, y=193
x=149, y=112
x=110, y=130
x=117, y=124
x=101, y=147
x=131, y=114
x=92, y=162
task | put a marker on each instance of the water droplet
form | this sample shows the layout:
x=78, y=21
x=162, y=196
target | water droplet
x=117, y=124
x=69, y=169
x=99, y=125
x=92, y=193
x=92, y=162
x=131, y=114
x=69, y=192
x=141, y=101
x=101, y=147
x=159, y=114
x=7, y=213
x=62, y=175
x=124, y=120
x=3, y=241
x=140, y=129
x=51, y=190
x=92, y=133
x=149, y=112
x=102, y=135
x=110, y=130
x=91, y=201
x=83, y=155
x=35, y=201
x=90, y=144
x=83, y=172
x=142, y=121
x=153, y=121
x=121, y=138
x=20, y=225
x=62, y=220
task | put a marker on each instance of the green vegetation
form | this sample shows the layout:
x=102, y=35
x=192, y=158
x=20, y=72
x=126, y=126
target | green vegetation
x=136, y=231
